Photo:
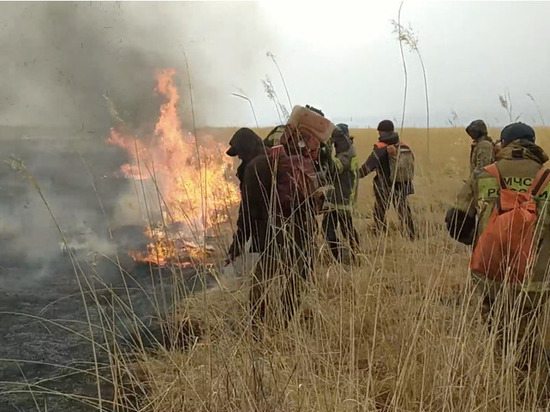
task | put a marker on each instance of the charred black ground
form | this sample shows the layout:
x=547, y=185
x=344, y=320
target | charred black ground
x=40, y=294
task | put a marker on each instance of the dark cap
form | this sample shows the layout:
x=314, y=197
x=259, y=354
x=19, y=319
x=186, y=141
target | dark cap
x=476, y=129
x=385, y=126
x=516, y=131
x=245, y=143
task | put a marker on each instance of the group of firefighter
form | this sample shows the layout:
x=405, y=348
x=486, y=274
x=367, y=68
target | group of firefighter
x=500, y=213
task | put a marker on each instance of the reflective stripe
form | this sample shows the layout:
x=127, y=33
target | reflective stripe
x=523, y=287
x=338, y=164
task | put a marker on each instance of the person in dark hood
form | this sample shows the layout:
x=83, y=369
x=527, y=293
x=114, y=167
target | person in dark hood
x=340, y=200
x=283, y=222
x=518, y=162
x=386, y=191
x=246, y=145
x=481, y=151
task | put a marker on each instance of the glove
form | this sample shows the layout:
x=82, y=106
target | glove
x=460, y=226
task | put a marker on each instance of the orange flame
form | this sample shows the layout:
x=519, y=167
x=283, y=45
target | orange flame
x=191, y=177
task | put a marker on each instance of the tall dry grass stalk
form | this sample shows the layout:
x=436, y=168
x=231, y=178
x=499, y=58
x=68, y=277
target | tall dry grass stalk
x=408, y=36
x=245, y=97
x=403, y=331
x=505, y=101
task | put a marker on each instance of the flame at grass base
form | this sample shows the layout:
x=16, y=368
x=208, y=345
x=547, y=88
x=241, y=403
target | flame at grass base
x=188, y=179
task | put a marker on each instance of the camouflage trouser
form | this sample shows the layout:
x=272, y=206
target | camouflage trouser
x=520, y=319
x=383, y=199
x=277, y=284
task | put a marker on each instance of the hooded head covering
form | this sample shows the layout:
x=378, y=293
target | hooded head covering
x=246, y=144
x=477, y=129
x=517, y=131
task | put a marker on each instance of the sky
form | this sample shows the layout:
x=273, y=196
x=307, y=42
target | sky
x=343, y=57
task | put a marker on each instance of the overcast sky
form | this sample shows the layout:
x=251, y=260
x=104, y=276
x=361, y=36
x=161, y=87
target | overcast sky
x=343, y=57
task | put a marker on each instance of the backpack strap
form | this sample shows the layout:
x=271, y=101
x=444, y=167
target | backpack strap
x=493, y=171
x=540, y=181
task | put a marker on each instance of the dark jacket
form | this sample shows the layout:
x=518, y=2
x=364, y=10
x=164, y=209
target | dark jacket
x=343, y=173
x=247, y=145
x=379, y=161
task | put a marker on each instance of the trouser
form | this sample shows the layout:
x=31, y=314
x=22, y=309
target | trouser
x=331, y=221
x=519, y=321
x=400, y=202
x=277, y=285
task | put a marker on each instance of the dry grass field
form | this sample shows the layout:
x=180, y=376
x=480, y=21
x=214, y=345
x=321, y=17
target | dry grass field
x=402, y=331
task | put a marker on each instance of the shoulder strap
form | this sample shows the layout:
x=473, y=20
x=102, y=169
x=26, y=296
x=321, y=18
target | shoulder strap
x=540, y=181
x=492, y=169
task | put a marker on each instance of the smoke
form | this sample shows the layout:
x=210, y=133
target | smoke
x=59, y=61
x=60, y=58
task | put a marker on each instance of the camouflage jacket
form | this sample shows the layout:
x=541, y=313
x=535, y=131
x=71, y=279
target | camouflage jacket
x=344, y=180
x=481, y=153
x=518, y=163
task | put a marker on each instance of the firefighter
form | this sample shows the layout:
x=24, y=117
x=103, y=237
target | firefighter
x=481, y=150
x=385, y=190
x=246, y=145
x=340, y=200
x=507, y=303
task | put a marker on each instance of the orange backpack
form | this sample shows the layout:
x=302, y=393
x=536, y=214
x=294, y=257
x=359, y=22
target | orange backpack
x=506, y=248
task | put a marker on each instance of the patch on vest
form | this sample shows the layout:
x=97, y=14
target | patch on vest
x=488, y=186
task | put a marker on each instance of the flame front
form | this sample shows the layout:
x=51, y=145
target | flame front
x=189, y=177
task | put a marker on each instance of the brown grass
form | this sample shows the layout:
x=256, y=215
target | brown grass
x=401, y=332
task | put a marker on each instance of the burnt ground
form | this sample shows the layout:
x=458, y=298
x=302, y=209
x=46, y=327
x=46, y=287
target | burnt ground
x=44, y=317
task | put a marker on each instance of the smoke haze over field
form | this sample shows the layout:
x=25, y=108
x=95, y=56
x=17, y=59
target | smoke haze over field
x=60, y=58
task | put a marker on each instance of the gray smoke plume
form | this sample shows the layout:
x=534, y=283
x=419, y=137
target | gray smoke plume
x=60, y=58
x=59, y=61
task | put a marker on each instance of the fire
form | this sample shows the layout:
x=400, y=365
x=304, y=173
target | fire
x=189, y=177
